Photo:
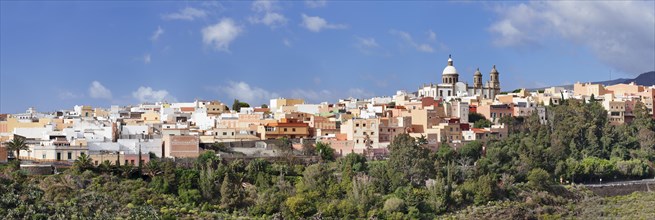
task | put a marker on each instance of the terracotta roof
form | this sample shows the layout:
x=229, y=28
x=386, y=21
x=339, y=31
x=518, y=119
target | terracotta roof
x=187, y=109
x=282, y=124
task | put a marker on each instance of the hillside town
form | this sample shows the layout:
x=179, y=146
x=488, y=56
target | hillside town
x=450, y=111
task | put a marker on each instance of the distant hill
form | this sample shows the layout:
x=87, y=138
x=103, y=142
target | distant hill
x=644, y=79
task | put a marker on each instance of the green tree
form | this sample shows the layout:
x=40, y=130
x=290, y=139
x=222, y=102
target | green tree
x=474, y=117
x=485, y=190
x=300, y=207
x=232, y=194
x=83, y=163
x=484, y=123
x=471, y=150
x=237, y=105
x=539, y=179
x=16, y=144
x=325, y=151
x=409, y=160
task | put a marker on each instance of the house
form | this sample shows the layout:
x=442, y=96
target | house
x=494, y=112
x=286, y=127
x=181, y=146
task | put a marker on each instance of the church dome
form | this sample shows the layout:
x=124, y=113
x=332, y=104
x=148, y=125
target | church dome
x=494, y=70
x=477, y=72
x=450, y=69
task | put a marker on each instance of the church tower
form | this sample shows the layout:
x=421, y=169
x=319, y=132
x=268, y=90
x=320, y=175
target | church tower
x=495, y=82
x=449, y=74
x=477, y=79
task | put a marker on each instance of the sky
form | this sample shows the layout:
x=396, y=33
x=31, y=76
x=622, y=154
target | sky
x=54, y=55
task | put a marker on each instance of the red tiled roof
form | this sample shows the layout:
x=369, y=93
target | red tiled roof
x=187, y=109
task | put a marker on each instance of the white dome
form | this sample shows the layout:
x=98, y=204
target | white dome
x=449, y=70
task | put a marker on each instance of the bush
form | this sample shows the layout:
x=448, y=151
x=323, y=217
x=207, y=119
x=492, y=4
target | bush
x=394, y=204
x=539, y=179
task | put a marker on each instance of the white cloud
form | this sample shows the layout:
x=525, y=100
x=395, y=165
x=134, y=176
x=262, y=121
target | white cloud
x=263, y=5
x=221, y=34
x=271, y=19
x=65, y=95
x=366, y=42
x=286, y=42
x=188, y=14
x=98, y=91
x=620, y=33
x=315, y=3
x=316, y=24
x=266, y=13
x=407, y=38
x=244, y=92
x=158, y=32
x=431, y=35
x=147, y=94
x=425, y=48
x=147, y=59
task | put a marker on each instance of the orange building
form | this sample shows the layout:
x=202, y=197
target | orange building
x=286, y=127
x=494, y=112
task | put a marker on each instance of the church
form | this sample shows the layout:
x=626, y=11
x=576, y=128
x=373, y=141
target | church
x=451, y=87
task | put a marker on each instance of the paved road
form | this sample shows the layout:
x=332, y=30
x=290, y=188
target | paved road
x=623, y=183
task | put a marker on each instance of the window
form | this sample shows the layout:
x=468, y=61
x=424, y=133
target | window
x=357, y=141
x=357, y=125
x=364, y=133
x=70, y=155
x=285, y=129
x=293, y=129
x=372, y=133
x=132, y=162
x=125, y=162
x=224, y=133
x=96, y=162
x=82, y=153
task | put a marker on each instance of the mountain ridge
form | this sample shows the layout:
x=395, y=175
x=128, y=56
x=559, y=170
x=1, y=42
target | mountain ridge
x=644, y=79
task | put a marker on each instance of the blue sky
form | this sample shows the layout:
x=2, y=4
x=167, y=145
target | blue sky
x=58, y=54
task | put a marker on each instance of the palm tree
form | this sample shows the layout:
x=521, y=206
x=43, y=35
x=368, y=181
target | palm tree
x=83, y=162
x=153, y=168
x=17, y=144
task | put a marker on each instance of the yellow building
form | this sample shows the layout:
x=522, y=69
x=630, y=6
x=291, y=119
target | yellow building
x=7, y=126
x=150, y=117
x=216, y=108
x=280, y=102
x=625, y=89
x=588, y=89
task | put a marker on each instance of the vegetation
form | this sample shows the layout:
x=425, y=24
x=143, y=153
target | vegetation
x=16, y=145
x=237, y=105
x=515, y=178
